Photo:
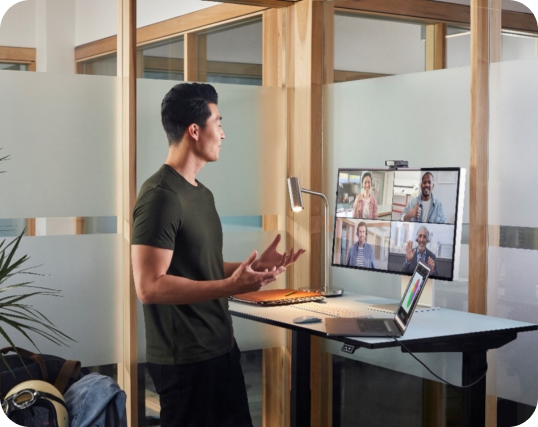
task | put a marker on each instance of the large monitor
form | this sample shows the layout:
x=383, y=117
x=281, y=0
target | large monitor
x=387, y=220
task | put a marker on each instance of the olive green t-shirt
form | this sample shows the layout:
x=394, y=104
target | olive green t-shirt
x=171, y=213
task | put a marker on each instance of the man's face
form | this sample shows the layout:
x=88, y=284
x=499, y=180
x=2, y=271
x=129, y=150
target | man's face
x=211, y=136
x=422, y=240
x=361, y=234
x=427, y=186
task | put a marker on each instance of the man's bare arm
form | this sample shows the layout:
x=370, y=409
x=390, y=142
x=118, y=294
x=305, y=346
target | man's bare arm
x=154, y=286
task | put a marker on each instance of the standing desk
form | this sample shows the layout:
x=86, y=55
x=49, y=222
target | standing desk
x=433, y=331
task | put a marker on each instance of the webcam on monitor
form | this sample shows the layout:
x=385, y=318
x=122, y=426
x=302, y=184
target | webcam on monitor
x=396, y=163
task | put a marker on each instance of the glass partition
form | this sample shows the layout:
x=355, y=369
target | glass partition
x=513, y=225
x=62, y=181
x=422, y=118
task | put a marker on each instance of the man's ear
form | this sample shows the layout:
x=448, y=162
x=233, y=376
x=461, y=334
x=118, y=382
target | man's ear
x=194, y=131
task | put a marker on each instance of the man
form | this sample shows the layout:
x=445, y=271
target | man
x=419, y=253
x=361, y=253
x=181, y=278
x=425, y=207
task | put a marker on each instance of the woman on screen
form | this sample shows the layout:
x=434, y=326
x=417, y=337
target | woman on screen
x=365, y=205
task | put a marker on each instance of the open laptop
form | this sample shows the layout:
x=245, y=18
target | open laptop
x=384, y=327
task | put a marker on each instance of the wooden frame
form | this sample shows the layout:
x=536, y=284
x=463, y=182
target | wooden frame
x=19, y=55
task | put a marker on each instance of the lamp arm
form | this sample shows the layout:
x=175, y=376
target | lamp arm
x=325, y=235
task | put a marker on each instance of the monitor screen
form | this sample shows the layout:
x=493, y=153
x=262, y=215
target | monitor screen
x=387, y=220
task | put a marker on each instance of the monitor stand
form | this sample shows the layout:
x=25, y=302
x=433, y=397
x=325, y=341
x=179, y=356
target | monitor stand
x=426, y=302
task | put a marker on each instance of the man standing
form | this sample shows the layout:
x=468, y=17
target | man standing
x=419, y=253
x=425, y=207
x=181, y=278
x=361, y=253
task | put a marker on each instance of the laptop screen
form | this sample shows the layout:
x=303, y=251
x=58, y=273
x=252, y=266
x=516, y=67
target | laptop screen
x=412, y=293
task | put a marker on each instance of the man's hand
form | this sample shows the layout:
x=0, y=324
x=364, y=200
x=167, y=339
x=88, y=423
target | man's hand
x=431, y=264
x=415, y=212
x=409, y=252
x=270, y=259
x=244, y=279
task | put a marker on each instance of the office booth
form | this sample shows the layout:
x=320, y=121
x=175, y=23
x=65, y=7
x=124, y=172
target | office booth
x=305, y=88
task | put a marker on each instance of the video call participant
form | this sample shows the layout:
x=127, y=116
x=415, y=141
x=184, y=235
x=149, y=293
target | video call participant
x=181, y=278
x=365, y=205
x=361, y=254
x=425, y=207
x=419, y=253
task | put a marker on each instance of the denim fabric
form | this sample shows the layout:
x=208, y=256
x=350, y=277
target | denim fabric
x=87, y=401
x=436, y=214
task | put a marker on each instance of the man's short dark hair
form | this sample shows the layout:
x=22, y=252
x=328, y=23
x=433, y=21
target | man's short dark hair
x=427, y=173
x=185, y=104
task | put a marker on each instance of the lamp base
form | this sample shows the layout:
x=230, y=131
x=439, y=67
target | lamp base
x=329, y=293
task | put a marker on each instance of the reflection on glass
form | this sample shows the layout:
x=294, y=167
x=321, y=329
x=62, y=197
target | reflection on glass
x=102, y=66
x=16, y=67
x=162, y=61
x=367, y=48
x=234, y=53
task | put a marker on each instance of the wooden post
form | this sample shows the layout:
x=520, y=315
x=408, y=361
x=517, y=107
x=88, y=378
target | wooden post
x=128, y=370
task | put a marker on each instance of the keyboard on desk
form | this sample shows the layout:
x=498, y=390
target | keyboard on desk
x=331, y=310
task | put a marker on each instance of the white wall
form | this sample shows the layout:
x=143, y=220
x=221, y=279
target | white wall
x=96, y=19
x=17, y=28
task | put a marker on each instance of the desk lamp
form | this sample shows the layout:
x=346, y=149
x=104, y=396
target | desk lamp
x=296, y=202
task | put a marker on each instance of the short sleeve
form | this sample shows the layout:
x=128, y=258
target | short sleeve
x=156, y=219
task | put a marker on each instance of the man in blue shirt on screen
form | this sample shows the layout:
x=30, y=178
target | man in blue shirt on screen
x=425, y=207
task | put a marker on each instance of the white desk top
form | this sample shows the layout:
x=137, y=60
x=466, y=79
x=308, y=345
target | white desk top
x=437, y=325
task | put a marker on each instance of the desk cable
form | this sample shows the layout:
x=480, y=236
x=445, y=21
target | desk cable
x=438, y=377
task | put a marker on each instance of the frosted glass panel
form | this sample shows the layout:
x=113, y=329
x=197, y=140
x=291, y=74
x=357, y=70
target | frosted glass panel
x=422, y=118
x=249, y=178
x=60, y=133
x=513, y=151
x=513, y=203
x=87, y=270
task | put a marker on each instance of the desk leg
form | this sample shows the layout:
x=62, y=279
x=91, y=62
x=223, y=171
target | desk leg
x=474, y=398
x=300, y=380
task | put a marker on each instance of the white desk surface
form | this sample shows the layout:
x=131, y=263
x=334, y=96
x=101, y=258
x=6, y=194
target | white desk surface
x=424, y=325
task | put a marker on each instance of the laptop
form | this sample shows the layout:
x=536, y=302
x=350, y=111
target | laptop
x=384, y=327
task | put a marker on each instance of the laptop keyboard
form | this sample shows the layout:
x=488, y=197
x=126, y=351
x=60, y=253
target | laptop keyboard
x=331, y=311
x=372, y=325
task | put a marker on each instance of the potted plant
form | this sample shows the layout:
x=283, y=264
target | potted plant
x=15, y=310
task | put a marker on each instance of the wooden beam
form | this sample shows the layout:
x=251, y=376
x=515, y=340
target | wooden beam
x=276, y=362
x=17, y=54
x=435, y=47
x=310, y=64
x=128, y=369
x=495, y=36
x=262, y=3
x=170, y=28
x=433, y=12
x=478, y=183
x=195, y=21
